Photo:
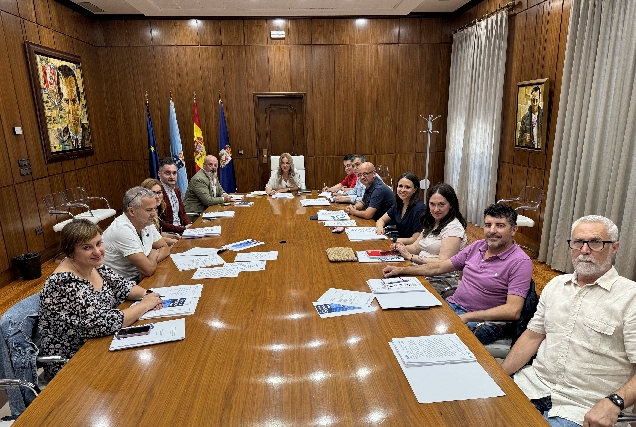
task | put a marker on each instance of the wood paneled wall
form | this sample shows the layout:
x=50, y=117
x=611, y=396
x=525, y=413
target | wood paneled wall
x=536, y=48
x=366, y=83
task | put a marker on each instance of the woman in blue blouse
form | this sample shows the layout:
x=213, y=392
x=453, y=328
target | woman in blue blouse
x=406, y=212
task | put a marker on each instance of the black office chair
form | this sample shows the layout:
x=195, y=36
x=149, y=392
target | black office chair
x=19, y=343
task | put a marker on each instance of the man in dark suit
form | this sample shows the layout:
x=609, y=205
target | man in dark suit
x=174, y=219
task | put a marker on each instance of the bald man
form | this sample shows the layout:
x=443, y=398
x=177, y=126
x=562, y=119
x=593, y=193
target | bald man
x=204, y=188
x=378, y=197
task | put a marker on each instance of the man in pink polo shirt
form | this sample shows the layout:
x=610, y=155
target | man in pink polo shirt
x=496, y=277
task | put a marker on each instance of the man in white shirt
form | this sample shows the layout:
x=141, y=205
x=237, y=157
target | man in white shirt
x=584, y=336
x=204, y=188
x=133, y=245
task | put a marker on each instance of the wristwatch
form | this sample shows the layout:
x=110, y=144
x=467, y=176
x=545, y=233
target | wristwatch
x=616, y=400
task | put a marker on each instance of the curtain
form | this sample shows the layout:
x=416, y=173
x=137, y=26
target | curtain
x=478, y=65
x=593, y=162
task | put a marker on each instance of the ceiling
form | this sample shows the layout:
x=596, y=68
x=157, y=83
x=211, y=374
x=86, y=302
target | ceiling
x=269, y=8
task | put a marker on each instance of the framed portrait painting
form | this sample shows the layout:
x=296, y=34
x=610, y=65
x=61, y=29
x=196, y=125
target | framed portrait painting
x=58, y=87
x=530, y=132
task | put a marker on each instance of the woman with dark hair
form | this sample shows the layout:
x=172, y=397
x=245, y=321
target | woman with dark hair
x=406, y=211
x=80, y=298
x=443, y=234
x=155, y=186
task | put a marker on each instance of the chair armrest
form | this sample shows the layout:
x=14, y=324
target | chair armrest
x=100, y=198
x=13, y=383
x=532, y=207
x=509, y=200
x=45, y=360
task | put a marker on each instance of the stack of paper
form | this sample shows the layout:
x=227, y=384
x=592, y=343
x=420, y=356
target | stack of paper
x=402, y=292
x=245, y=204
x=218, y=214
x=282, y=196
x=314, y=202
x=325, y=215
x=326, y=194
x=180, y=300
x=357, y=234
x=229, y=270
x=363, y=256
x=169, y=330
x=196, y=258
x=197, y=233
x=345, y=223
x=257, y=193
x=446, y=362
x=256, y=256
x=243, y=244
x=339, y=302
x=236, y=197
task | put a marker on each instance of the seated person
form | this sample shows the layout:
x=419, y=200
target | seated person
x=80, y=299
x=155, y=186
x=204, y=188
x=378, y=197
x=355, y=194
x=349, y=180
x=174, y=218
x=582, y=334
x=134, y=247
x=285, y=179
x=406, y=212
x=443, y=235
x=496, y=278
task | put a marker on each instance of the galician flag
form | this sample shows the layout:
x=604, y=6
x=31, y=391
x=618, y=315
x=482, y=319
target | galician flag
x=199, y=146
x=176, y=150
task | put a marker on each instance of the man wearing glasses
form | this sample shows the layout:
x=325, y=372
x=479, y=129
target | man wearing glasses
x=349, y=180
x=584, y=336
x=133, y=245
x=378, y=197
x=355, y=194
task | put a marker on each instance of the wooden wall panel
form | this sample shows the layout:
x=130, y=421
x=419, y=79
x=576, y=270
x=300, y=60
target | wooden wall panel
x=323, y=100
x=246, y=171
x=363, y=100
x=301, y=78
x=12, y=227
x=208, y=103
x=26, y=9
x=409, y=30
x=138, y=33
x=383, y=79
x=376, y=31
x=344, y=109
x=279, y=69
x=186, y=32
x=299, y=31
x=42, y=15
x=237, y=102
x=322, y=31
x=408, y=89
x=10, y=6
x=277, y=24
x=232, y=32
x=255, y=31
x=163, y=33
x=30, y=216
x=42, y=188
x=344, y=31
x=209, y=32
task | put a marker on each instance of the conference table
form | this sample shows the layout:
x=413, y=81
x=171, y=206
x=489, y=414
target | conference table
x=256, y=352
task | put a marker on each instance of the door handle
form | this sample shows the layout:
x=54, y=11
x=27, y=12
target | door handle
x=264, y=155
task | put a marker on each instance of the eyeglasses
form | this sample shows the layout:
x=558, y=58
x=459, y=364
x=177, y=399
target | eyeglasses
x=134, y=197
x=366, y=173
x=158, y=193
x=594, y=244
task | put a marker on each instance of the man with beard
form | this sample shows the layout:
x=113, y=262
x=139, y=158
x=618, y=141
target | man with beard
x=204, y=188
x=496, y=277
x=584, y=336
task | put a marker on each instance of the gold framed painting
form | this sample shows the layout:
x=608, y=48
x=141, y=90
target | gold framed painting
x=60, y=99
x=530, y=132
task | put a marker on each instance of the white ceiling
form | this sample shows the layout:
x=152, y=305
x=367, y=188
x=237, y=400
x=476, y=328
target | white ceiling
x=269, y=8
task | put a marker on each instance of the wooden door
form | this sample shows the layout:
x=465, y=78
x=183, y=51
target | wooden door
x=280, y=128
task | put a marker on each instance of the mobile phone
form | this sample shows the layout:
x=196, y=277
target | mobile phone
x=133, y=331
x=337, y=230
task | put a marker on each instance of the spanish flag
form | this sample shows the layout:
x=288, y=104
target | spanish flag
x=199, y=146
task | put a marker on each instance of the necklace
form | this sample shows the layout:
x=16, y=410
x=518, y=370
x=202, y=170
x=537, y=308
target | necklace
x=77, y=270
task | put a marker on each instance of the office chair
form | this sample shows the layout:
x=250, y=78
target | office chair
x=512, y=330
x=529, y=199
x=299, y=167
x=69, y=201
x=19, y=343
x=385, y=175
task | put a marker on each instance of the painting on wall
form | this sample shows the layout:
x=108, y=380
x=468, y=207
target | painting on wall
x=532, y=114
x=58, y=87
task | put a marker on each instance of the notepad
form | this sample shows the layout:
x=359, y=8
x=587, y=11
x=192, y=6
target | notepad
x=314, y=202
x=160, y=332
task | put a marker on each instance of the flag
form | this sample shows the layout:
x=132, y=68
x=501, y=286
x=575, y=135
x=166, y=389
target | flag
x=199, y=146
x=153, y=162
x=176, y=150
x=228, y=181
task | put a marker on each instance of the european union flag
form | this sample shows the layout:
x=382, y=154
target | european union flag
x=226, y=175
x=153, y=158
x=176, y=150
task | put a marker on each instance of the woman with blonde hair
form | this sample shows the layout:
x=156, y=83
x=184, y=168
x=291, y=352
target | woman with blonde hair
x=285, y=179
x=155, y=186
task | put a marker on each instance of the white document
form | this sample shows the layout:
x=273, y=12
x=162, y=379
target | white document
x=282, y=196
x=169, y=330
x=422, y=299
x=248, y=265
x=257, y=193
x=216, y=272
x=236, y=197
x=243, y=244
x=432, y=350
x=326, y=309
x=218, y=214
x=449, y=382
x=345, y=223
x=395, y=284
x=325, y=215
x=180, y=300
x=314, y=202
x=200, y=251
x=326, y=194
x=364, y=257
x=356, y=234
x=190, y=262
x=345, y=297
x=256, y=256
x=244, y=204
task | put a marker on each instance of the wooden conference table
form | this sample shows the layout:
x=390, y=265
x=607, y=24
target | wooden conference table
x=256, y=353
